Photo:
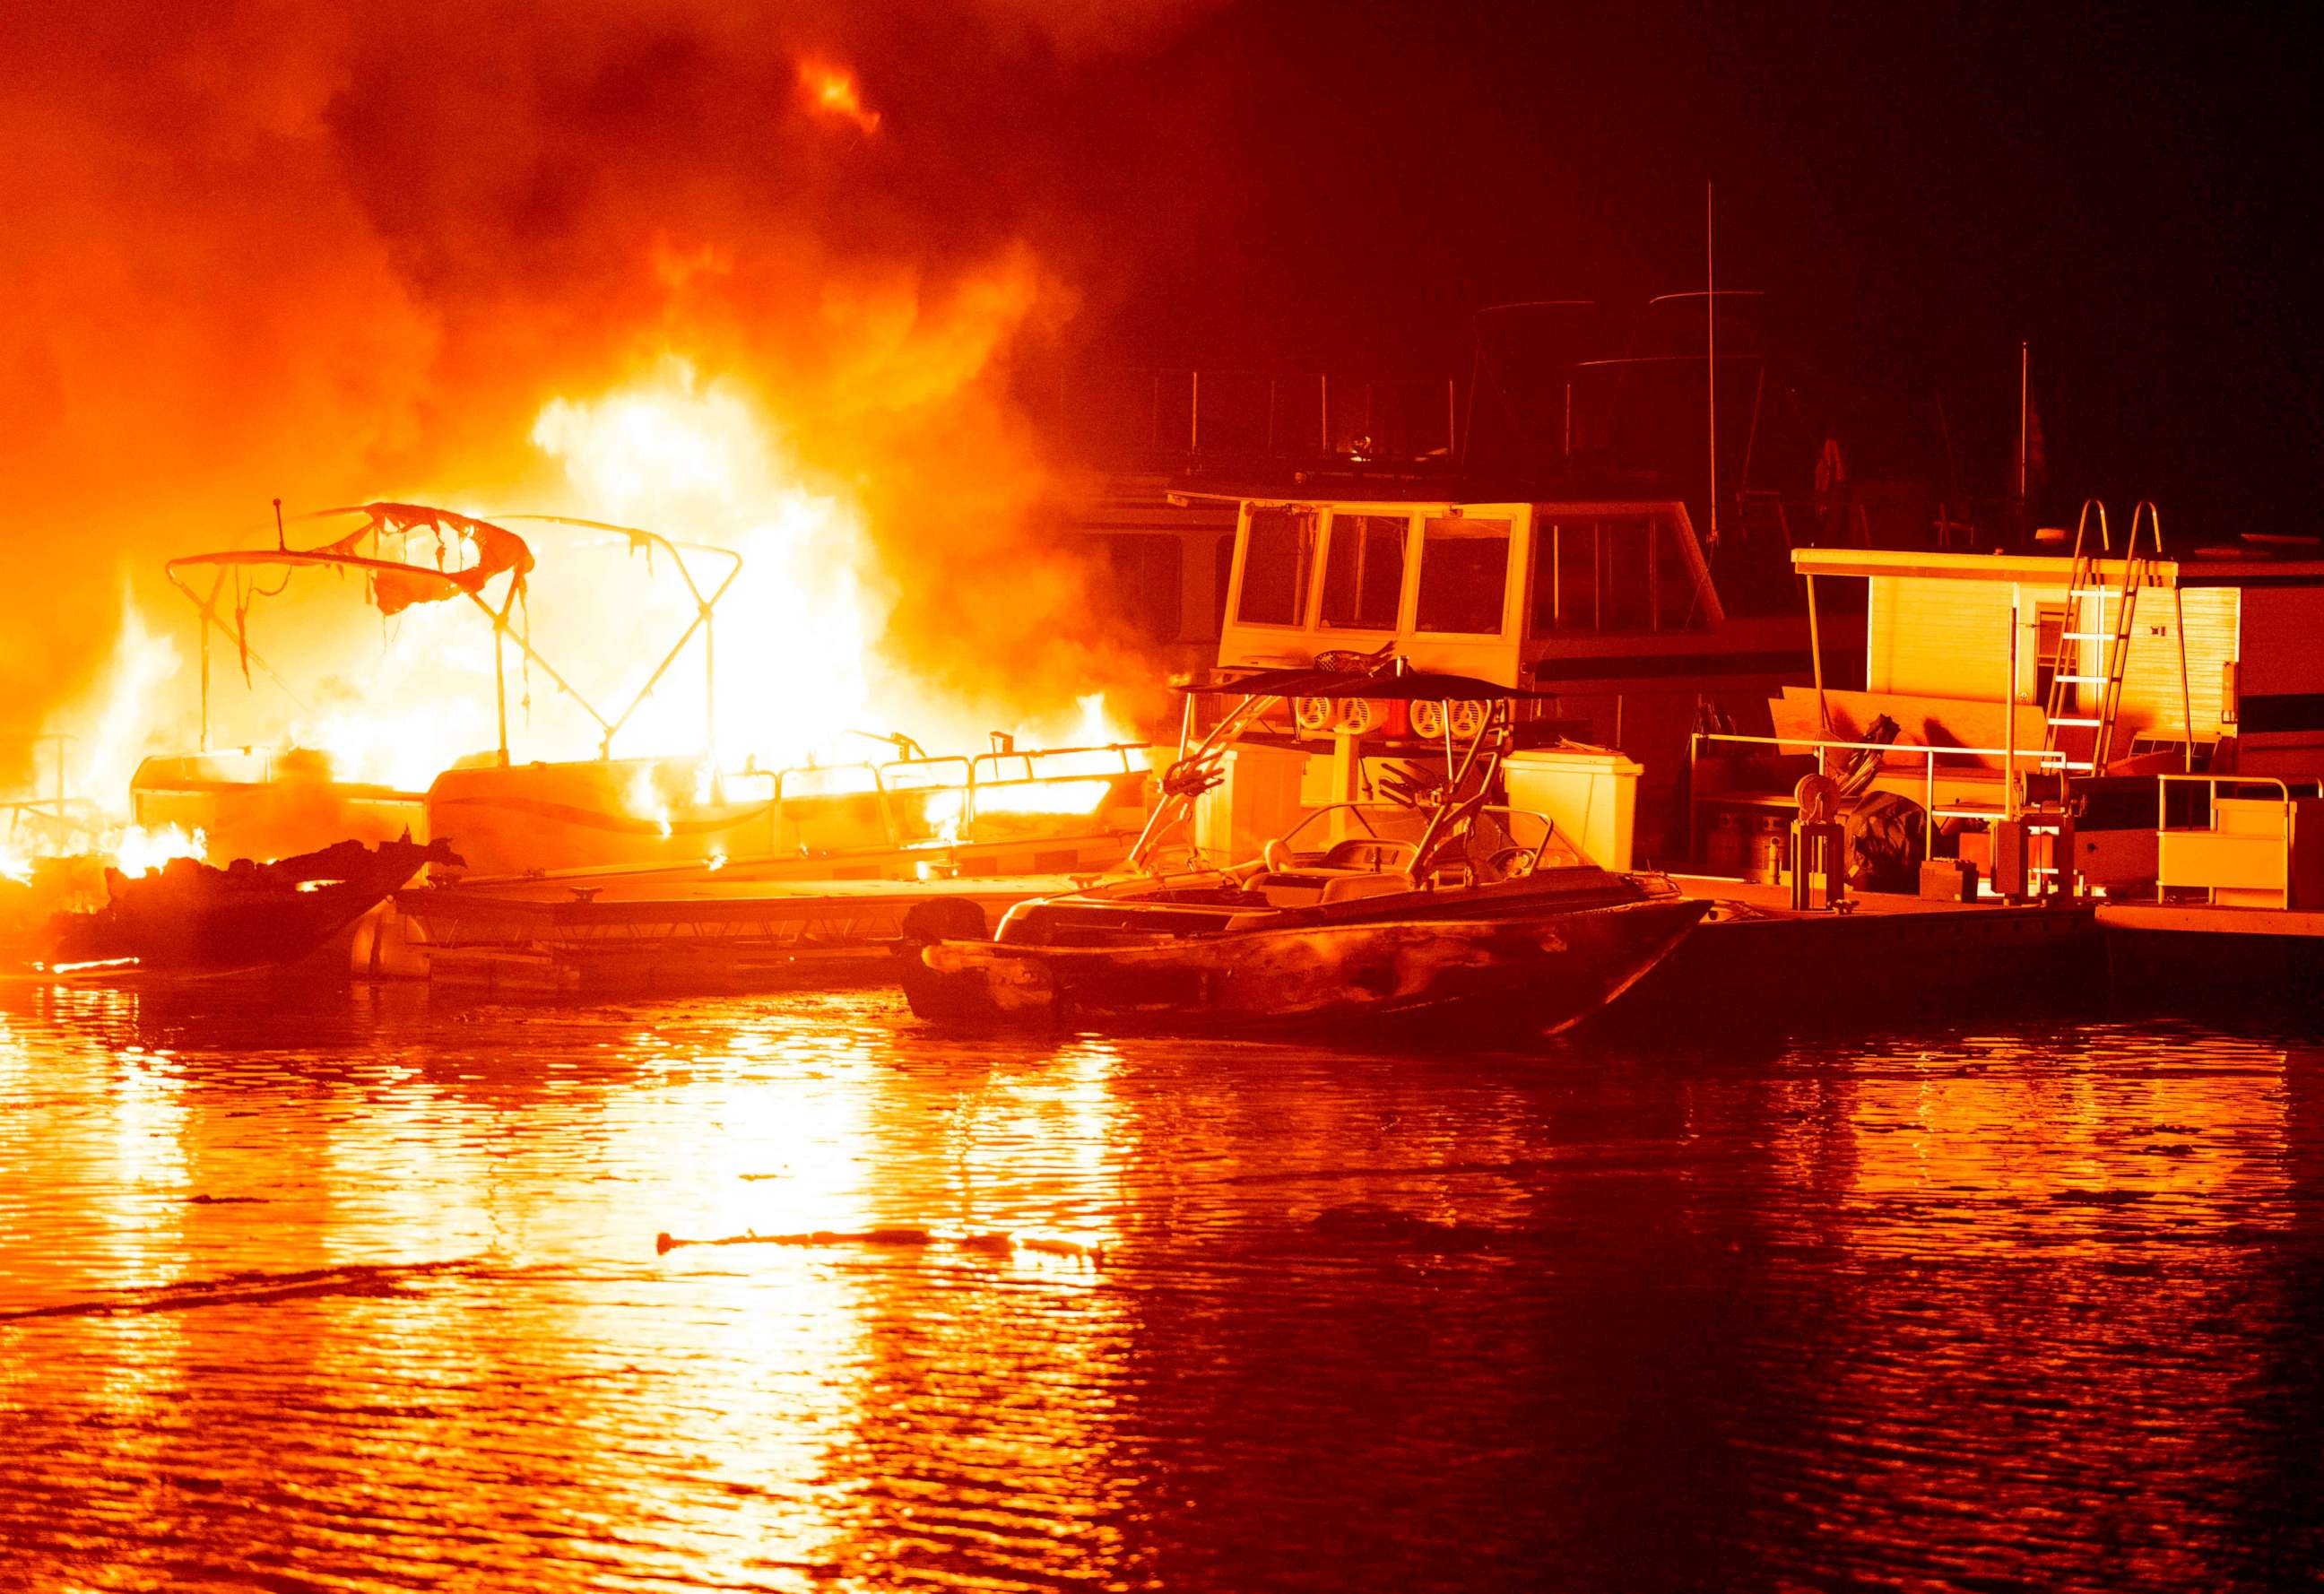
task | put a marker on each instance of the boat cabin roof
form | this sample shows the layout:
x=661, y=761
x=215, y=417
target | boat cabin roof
x=2241, y=569
x=1477, y=589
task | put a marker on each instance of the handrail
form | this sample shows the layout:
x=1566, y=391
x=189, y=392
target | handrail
x=2151, y=517
x=1121, y=749
x=2081, y=525
x=2163, y=829
x=905, y=768
x=2163, y=799
x=1927, y=753
x=1834, y=743
x=1357, y=808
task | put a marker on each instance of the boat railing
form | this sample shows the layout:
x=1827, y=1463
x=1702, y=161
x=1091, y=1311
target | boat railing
x=931, y=801
x=1055, y=763
x=1361, y=811
x=925, y=800
x=2244, y=845
x=55, y=824
x=1928, y=756
x=1535, y=850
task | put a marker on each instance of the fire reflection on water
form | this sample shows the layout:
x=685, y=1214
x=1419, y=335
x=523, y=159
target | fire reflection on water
x=367, y=1294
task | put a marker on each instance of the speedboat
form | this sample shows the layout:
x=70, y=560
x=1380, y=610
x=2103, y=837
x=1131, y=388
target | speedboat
x=189, y=918
x=1438, y=906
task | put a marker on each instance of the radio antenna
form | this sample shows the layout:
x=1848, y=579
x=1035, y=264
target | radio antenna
x=1711, y=356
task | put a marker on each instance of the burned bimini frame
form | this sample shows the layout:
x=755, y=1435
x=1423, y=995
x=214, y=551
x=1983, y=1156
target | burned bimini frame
x=1474, y=744
x=470, y=555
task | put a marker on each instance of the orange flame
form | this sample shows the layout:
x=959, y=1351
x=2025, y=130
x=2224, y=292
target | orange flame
x=138, y=851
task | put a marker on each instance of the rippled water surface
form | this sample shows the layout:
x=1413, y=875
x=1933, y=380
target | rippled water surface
x=354, y=1292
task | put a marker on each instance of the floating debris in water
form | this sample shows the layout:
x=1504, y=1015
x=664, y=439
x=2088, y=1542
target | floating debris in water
x=992, y=1242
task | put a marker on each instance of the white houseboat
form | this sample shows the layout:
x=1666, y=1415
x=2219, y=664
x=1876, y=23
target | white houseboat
x=2088, y=718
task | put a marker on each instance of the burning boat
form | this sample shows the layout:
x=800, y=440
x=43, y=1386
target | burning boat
x=1431, y=902
x=187, y=918
x=631, y=824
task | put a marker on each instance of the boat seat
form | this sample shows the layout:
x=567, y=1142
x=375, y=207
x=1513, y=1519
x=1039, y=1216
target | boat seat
x=1305, y=888
x=1367, y=883
x=1372, y=853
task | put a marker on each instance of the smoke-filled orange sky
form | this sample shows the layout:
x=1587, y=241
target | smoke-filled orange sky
x=255, y=250
x=326, y=254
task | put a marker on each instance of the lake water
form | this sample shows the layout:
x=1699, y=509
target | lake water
x=354, y=1290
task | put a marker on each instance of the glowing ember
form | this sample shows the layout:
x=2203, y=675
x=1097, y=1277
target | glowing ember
x=831, y=92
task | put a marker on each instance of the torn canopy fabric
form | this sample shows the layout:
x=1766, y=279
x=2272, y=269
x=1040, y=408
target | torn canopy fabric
x=496, y=550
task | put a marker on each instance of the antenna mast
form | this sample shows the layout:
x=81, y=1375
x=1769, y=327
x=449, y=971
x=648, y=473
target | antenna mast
x=2025, y=409
x=1710, y=354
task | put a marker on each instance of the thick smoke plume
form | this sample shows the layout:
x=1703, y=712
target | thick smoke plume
x=259, y=250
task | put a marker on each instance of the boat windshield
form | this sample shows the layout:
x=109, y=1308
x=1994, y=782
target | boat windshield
x=1464, y=567
x=1363, y=571
x=1277, y=558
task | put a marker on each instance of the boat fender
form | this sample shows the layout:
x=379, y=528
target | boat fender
x=942, y=918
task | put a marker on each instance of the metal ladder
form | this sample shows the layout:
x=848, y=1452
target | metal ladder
x=2088, y=620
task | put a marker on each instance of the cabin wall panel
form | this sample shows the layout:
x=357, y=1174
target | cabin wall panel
x=2283, y=640
x=1944, y=639
x=2281, y=720
x=1951, y=639
x=2152, y=700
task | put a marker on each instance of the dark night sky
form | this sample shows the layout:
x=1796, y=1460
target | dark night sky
x=1917, y=188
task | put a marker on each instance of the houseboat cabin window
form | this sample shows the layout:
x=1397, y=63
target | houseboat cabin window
x=1625, y=574
x=1363, y=571
x=1278, y=557
x=1464, y=570
x=2049, y=630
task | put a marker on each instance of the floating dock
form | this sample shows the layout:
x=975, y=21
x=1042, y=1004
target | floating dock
x=615, y=936
x=1757, y=961
x=2183, y=950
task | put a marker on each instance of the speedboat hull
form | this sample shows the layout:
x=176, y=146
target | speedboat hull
x=1520, y=975
x=192, y=920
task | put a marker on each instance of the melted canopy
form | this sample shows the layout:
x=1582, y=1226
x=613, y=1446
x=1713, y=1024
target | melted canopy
x=468, y=553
